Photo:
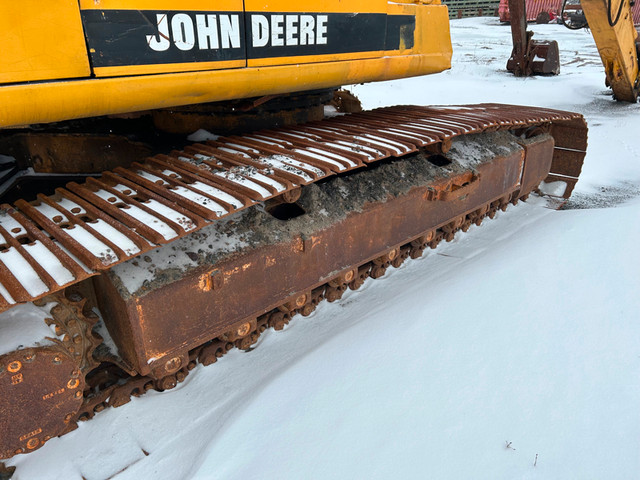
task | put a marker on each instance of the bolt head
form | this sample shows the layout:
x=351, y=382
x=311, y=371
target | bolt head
x=173, y=364
x=301, y=300
x=244, y=329
x=14, y=366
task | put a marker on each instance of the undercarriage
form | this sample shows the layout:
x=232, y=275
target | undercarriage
x=151, y=268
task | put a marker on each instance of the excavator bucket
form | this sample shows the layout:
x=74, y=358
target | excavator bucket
x=542, y=58
x=530, y=57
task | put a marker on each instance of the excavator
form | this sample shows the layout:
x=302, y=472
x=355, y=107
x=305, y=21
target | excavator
x=128, y=254
x=612, y=26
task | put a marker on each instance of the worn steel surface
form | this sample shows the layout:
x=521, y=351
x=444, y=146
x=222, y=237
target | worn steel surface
x=40, y=391
x=168, y=320
x=42, y=388
x=85, y=229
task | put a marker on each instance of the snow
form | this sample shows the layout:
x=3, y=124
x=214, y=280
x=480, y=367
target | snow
x=264, y=179
x=280, y=162
x=325, y=157
x=23, y=272
x=97, y=248
x=51, y=263
x=170, y=214
x=239, y=179
x=511, y=352
x=143, y=269
x=203, y=200
x=202, y=136
x=7, y=160
x=217, y=193
x=24, y=326
x=115, y=236
x=139, y=214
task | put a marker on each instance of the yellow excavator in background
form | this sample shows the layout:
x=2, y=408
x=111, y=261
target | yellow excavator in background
x=610, y=23
x=127, y=255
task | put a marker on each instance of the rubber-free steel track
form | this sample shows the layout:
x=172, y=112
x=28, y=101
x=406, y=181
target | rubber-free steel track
x=81, y=230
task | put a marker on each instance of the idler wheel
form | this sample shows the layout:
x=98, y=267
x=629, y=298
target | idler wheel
x=40, y=392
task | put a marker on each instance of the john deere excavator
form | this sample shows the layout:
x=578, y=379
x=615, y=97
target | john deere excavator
x=128, y=255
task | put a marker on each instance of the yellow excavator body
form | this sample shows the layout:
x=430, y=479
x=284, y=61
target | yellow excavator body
x=67, y=59
x=611, y=24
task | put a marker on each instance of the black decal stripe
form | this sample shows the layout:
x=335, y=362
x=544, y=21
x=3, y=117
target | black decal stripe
x=346, y=33
x=119, y=37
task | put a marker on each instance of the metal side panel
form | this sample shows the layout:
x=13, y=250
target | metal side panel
x=41, y=41
x=175, y=311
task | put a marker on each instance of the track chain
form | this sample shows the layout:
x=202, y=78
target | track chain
x=109, y=386
x=59, y=240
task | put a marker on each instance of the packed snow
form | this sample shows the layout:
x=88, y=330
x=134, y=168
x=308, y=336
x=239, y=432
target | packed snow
x=512, y=352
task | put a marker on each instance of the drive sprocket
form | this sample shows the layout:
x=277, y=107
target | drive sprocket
x=41, y=387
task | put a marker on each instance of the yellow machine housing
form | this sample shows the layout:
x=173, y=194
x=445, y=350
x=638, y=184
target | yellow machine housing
x=611, y=24
x=67, y=59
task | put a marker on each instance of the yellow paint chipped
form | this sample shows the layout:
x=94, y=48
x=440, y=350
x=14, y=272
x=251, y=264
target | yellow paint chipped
x=205, y=283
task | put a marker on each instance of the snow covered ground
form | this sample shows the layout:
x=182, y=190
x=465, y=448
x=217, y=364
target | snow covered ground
x=512, y=352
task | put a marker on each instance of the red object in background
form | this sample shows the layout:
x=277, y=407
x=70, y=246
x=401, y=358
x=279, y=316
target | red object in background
x=552, y=7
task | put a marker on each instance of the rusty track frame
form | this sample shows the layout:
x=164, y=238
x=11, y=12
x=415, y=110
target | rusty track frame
x=82, y=230
x=162, y=333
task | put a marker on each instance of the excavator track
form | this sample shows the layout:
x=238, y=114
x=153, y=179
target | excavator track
x=422, y=185
x=84, y=229
x=109, y=386
x=49, y=377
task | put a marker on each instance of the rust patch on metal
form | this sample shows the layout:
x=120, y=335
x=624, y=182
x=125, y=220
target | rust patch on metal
x=206, y=283
x=186, y=190
x=14, y=366
x=380, y=232
x=34, y=402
